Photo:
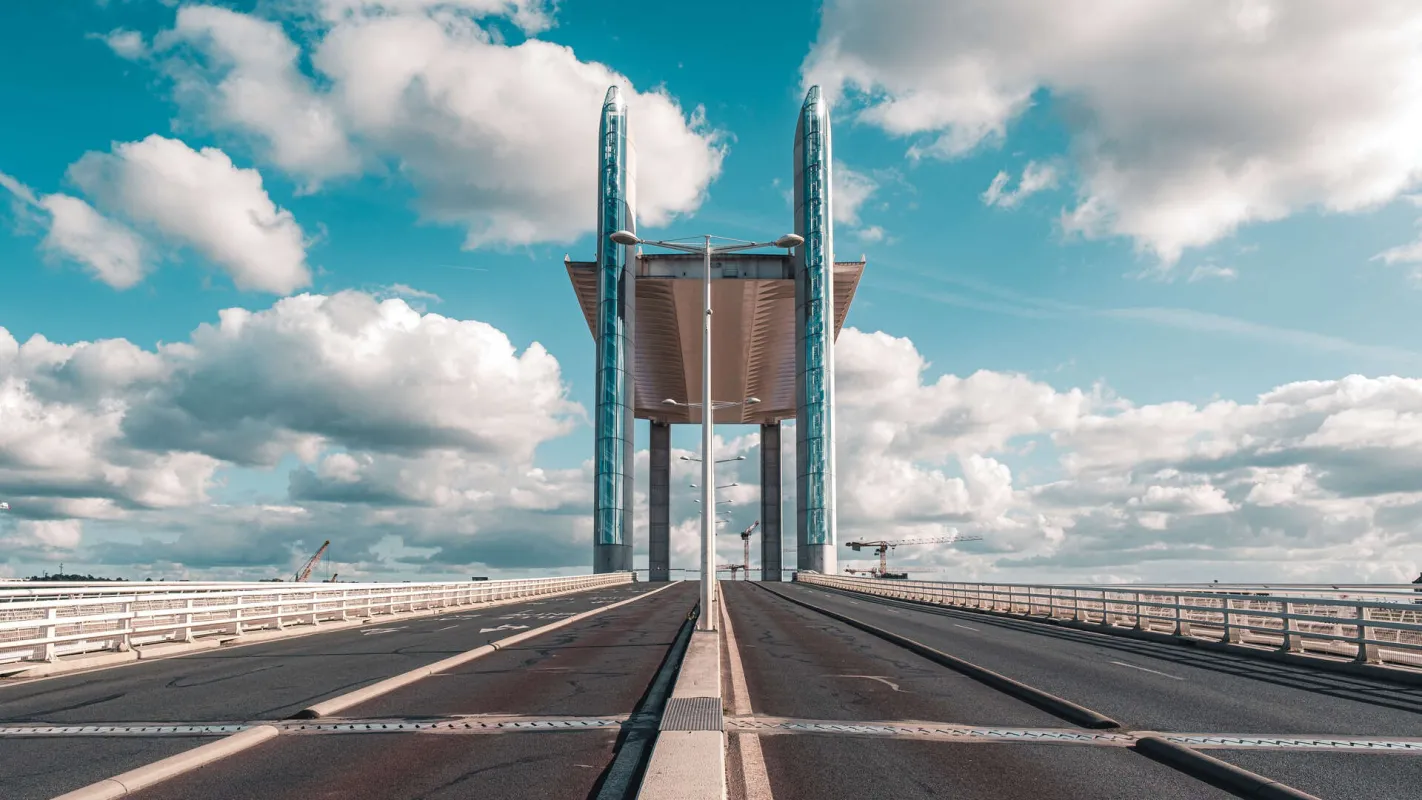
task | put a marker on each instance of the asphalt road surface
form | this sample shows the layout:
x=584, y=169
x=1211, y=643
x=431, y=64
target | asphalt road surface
x=599, y=667
x=265, y=681
x=1143, y=685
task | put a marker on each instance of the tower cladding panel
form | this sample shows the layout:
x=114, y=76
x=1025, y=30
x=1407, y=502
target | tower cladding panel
x=616, y=317
x=814, y=334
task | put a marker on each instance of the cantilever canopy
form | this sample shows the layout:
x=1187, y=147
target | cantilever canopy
x=752, y=331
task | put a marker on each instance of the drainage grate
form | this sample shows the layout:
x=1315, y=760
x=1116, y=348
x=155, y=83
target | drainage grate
x=692, y=714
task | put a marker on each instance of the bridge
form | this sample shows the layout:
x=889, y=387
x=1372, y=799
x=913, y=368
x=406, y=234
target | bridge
x=601, y=686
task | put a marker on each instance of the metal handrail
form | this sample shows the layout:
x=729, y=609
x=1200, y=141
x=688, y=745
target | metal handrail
x=105, y=619
x=1371, y=624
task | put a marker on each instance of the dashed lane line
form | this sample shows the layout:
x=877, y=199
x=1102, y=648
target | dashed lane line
x=738, y=723
x=1151, y=671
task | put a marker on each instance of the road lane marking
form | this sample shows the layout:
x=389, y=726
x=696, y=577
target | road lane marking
x=445, y=628
x=1151, y=671
x=754, y=777
x=503, y=628
x=964, y=627
x=878, y=678
x=375, y=631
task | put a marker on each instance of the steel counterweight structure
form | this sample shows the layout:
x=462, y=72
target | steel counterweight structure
x=776, y=315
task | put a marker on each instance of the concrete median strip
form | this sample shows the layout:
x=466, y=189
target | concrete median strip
x=1046, y=701
x=350, y=699
x=149, y=774
x=1227, y=776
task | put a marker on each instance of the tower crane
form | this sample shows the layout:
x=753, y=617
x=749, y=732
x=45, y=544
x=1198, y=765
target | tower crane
x=745, y=544
x=305, y=572
x=881, y=547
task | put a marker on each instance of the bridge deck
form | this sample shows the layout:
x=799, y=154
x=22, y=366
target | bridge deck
x=816, y=707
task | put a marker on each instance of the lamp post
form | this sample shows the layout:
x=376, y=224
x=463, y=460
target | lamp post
x=707, y=620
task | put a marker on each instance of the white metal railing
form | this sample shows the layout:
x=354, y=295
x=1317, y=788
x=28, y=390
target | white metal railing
x=1370, y=624
x=42, y=623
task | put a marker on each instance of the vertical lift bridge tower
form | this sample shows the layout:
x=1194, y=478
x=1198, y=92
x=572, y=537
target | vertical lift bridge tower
x=776, y=319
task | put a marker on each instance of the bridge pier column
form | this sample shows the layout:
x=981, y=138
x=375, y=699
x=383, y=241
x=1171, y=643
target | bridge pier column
x=659, y=504
x=770, y=502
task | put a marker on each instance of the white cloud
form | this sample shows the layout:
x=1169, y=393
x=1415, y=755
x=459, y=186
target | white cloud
x=125, y=43
x=873, y=233
x=1188, y=118
x=1208, y=271
x=251, y=80
x=851, y=189
x=412, y=425
x=1317, y=480
x=531, y=16
x=202, y=199
x=114, y=252
x=1035, y=178
x=498, y=139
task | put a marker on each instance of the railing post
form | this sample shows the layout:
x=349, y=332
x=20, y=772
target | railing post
x=1140, y=619
x=237, y=619
x=51, y=631
x=1293, y=642
x=1182, y=623
x=1231, y=631
x=1367, y=652
x=1076, y=604
x=188, y=621
x=126, y=638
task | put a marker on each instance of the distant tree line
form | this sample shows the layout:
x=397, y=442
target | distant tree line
x=70, y=577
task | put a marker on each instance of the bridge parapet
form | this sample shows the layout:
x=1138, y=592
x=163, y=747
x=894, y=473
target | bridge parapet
x=1371, y=624
x=41, y=624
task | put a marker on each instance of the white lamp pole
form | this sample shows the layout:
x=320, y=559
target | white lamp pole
x=709, y=612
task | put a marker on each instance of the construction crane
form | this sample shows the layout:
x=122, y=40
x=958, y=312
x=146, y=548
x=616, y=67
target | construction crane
x=734, y=568
x=882, y=547
x=303, y=574
x=745, y=544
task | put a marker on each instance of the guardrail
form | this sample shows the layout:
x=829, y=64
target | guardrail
x=118, y=617
x=1379, y=625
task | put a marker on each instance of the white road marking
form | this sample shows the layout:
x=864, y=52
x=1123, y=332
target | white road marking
x=964, y=627
x=1151, y=671
x=445, y=628
x=753, y=774
x=503, y=628
x=878, y=678
x=372, y=631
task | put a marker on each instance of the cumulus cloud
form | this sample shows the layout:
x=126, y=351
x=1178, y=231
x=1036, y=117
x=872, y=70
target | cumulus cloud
x=498, y=139
x=1035, y=178
x=115, y=253
x=202, y=199
x=1188, y=118
x=388, y=409
x=1313, y=480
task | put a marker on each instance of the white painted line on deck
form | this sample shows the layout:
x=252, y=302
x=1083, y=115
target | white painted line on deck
x=445, y=628
x=964, y=627
x=879, y=678
x=1151, y=671
x=753, y=775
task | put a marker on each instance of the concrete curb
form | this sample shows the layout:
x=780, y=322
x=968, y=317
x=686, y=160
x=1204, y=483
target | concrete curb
x=1227, y=776
x=149, y=774
x=1407, y=677
x=690, y=764
x=1046, y=701
x=340, y=703
x=88, y=662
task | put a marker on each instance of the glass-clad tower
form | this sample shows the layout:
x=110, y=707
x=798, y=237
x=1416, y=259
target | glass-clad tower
x=616, y=313
x=814, y=339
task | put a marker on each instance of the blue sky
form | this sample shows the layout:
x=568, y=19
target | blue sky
x=973, y=286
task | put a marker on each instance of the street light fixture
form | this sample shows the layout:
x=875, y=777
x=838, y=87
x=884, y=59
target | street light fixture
x=707, y=620
x=718, y=461
x=723, y=486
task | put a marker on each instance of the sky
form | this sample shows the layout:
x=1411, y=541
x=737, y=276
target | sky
x=1140, y=302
